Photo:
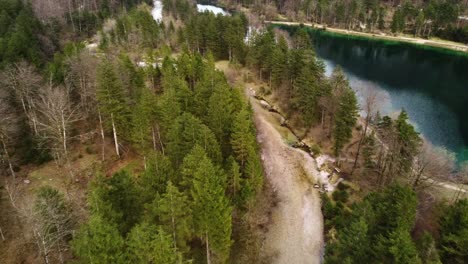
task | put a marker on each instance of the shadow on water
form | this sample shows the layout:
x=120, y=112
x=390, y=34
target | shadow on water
x=431, y=84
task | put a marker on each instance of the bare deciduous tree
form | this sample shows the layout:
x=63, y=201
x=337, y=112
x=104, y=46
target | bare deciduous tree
x=24, y=81
x=56, y=114
x=371, y=101
x=431, y=166
x=82, y=76
x=53, y=223
x=8, y=130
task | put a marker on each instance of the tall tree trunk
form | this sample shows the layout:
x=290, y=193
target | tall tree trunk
x=154, y=138
x=116, y=141
x=70, y=14
x=1, y=234
x=360, y=144
x=208, y=258
x=173, y=224
x=102, y=135
x=8, y=158
x=64, y=135
x=160, y=140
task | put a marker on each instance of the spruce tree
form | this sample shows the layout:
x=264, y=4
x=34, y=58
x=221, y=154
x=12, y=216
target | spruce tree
x=132, y=78
x=99, y=241
x=221, y=115
x=279, y=67
x=144, y=116
x=307, y=95
x=211, y=211
x=154, y=179
x=173, y=213
x=234, y=179
x=147, y=243
x=242, y=139
x=454, y=233
x=112, y=102
x=186, y=132
x=345, y=119
x=117, y=200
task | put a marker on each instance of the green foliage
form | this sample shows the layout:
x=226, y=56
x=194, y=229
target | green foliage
x=306, y=90
x=22, y=35
x=234, y=179
x=223, y=36
x=144, y=117
x=454, y=233
x=116, y=200
x=398, y=21
x=147, y=243
x=211, y=209
x=378, y=229
x=153, y=180
x=99, y=241
x=242, y=138
x=340, y=195
x=345, y=118
x=132, y=78
x=221, y=115
x=427, y=249
x=409, y=142
x=173, y=213
x=368, y=151
x=186, y=132
x=112, y=99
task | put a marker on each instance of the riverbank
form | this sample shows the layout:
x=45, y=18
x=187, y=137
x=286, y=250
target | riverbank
x=433, y=43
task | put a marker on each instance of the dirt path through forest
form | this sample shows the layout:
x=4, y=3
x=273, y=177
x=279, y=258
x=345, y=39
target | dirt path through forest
x=296, y=231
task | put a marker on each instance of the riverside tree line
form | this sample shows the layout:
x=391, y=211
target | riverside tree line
x=391, y=156
x=445, y=19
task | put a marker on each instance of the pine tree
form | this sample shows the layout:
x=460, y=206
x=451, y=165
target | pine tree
x=242, y=139
x=116, y=200
x=368, y=151
x=132, y=78
x=234, y=179
x=402, y=247
x=345, y=119
x=279, y=67
x=149, y=244
x=154, y=179
x=211, y=211
x=173, y=213
x=307, y=95
x=454, y=233
x=99, y=241
x=220, y=116
x=355, y=242
x=169, y=110
x=190, y=166
x=427, y=249
x=144, y=117
x=407, y=145
x=112, y=102
x=186, y=132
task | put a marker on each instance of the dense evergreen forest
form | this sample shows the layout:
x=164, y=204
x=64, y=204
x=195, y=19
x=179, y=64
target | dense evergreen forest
x=444, y=19
x=176, y=170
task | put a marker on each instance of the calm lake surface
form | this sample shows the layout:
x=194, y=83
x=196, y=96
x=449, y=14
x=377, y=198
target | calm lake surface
x=431, y=85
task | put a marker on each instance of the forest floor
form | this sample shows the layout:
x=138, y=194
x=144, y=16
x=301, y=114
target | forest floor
x=438, y=43
x=296, y=231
